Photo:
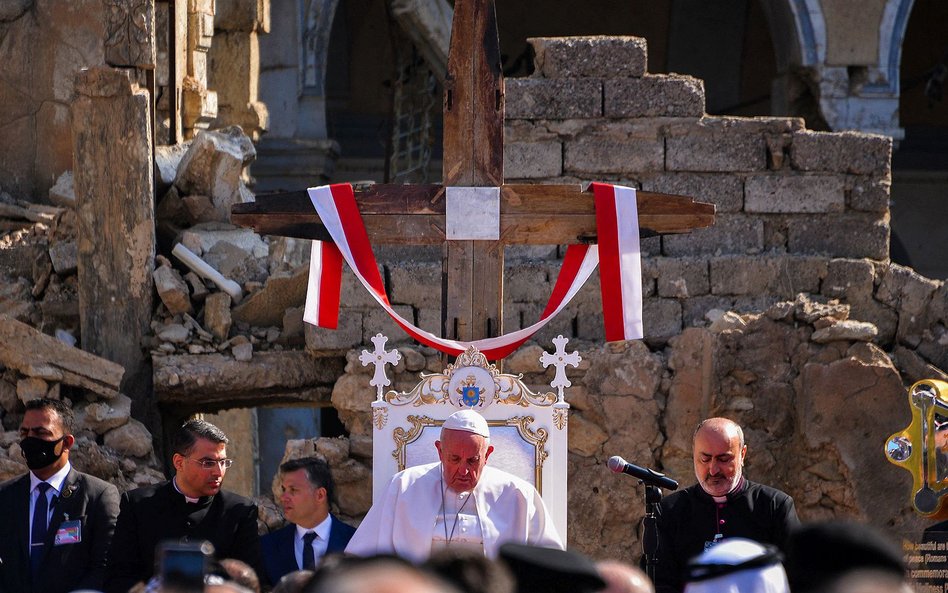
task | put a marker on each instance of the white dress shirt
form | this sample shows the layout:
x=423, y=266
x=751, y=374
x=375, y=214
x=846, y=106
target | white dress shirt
x=56, y=483
x=320, y=544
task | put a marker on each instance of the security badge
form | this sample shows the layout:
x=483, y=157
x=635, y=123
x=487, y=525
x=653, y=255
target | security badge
x=717, y=539
x=69, y=532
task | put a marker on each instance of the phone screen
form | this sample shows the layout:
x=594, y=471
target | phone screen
x=182, y=568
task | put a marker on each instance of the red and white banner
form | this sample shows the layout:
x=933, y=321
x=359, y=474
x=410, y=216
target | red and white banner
x=620, y=268
x=339, y=212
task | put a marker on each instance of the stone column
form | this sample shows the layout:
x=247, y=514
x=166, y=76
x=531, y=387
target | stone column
x=199, y=105
x=296, y=152
x=112, y=171
x=234, y=69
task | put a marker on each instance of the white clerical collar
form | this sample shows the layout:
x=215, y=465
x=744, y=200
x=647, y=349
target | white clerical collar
x=322, y=530
x=56, y=480
x=191, y=499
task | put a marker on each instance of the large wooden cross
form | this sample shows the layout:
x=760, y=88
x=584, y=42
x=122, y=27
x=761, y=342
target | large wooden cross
x=472, y=297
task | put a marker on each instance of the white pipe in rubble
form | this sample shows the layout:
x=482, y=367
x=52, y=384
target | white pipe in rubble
x=203, y=269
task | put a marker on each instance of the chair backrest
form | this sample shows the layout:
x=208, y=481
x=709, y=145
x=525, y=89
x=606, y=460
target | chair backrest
x=528, y=430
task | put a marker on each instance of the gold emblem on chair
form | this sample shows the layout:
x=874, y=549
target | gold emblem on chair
x=922, y=448
x=470, y=382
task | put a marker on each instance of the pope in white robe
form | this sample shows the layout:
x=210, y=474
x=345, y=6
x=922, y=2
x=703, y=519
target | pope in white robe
x=458, y=501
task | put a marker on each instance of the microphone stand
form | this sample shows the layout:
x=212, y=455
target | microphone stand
x=653, y=497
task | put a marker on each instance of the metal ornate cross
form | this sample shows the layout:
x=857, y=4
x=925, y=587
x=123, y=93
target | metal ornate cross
x=473, y=270
x=560, y=359
x=380, y=357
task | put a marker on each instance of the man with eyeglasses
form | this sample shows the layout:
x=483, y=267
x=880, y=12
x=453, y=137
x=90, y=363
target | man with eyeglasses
x=190, y=507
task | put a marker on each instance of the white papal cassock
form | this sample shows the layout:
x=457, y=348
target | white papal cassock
x=405, y=520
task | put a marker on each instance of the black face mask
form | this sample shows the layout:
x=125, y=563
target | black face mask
x=40, y=453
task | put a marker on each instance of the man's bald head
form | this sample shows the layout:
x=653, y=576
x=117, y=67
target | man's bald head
x=719, y=452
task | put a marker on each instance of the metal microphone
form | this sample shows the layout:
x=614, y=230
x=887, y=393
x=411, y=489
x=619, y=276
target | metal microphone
x=649, y=476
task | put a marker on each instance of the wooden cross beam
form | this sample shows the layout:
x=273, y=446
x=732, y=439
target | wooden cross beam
x=472, y=299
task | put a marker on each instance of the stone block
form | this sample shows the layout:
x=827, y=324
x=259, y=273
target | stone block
x=267, y=306
x=131, y=439
x=694, y=311
x=352, y=295
x=174, y=333
x=213, y=166
x=596, y=155
x=722, y=144
x=64, y=256
x=870, y=194
x=242, y=352
x=429, y=319
x=845, y=235
x=794, y=193
x=167, y=159
x=30, y=388
x=540, y=98
x=730, y=234
x=415, y=283
x=529, y=282
x=777, y=276
x=740, y=275
x=657, y=95
x=849, y=279
x=236, y=263
x=682, y=277
x=101, y=417
x=209, y=234
x=240, y=15
x=585, y=437
x=841, y=152
x=8, y=397
x=847, y=330
x=533, y=160
x=347, y=335
x=589, y=57
x=292, y=326
x=63, y=193
x=16, y=260
x=726, y=192
x=172, y=290
x=376, y=320
x=661, y=319
x=908, y=293
x=217, y=318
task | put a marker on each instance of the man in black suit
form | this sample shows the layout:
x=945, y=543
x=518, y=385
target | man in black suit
x=56, y=524
x=308, y=491
x=188, y=508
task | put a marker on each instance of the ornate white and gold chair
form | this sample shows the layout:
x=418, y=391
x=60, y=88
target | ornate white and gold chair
x=528, y=430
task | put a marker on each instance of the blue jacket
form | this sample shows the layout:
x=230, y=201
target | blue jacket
x=279, y=557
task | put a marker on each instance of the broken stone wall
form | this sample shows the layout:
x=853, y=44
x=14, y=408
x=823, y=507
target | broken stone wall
x=43, y=44
x=817, y=380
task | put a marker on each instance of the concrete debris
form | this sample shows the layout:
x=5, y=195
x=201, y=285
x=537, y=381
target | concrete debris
x=63, y=193
x=34, y=354
x=217, y=315
x=172, y=290
x=64, y=257
x=212, y=167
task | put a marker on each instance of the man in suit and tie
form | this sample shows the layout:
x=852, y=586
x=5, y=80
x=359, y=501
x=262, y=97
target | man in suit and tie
x=313, y=531
x=190, y=507
x=56, y=523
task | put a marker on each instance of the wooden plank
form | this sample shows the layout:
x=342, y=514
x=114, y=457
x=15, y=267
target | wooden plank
x=487, y=150
x=458, y=111
x=558, y=215
x=429, y=199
